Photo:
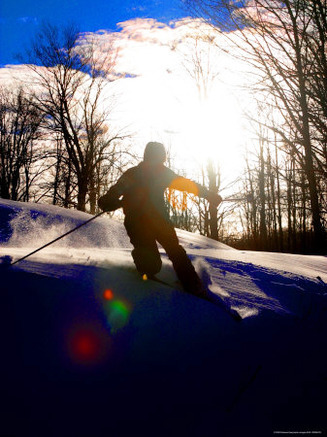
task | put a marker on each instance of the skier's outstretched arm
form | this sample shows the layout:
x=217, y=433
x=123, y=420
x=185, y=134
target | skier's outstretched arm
x=183, y=184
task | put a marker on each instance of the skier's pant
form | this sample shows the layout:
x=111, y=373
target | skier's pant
x=144, y=233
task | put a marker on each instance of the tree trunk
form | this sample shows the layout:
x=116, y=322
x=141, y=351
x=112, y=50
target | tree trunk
x=262, y=195
x=92, y=195
x=81, y=195
x=213, y=213
x=279, y=206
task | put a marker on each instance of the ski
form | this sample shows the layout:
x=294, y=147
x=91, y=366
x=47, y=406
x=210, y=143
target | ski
x=210, y=297
x=160, y=281
x=217, y=300
x=214, y=297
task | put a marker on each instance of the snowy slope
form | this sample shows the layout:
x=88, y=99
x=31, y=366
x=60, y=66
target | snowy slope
x=90, y=349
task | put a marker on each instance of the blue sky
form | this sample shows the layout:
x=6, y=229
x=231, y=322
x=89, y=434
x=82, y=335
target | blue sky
x=20, y=19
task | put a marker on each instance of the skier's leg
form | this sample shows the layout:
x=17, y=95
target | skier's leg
x=145, y=253
x=166, y=236
x=147, y=260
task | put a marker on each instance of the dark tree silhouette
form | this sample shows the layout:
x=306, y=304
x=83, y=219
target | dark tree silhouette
x=71, y=78
x=19, y=130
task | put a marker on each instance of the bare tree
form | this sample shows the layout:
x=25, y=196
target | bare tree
x=285, y=43
x=71, y=78
x=19, y=130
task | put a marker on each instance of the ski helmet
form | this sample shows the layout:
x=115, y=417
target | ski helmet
x=154, y=153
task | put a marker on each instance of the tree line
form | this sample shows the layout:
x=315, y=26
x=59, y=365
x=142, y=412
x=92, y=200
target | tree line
x=284, y=44
x=56, y=141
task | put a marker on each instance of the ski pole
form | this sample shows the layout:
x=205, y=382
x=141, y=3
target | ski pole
x=58, y=238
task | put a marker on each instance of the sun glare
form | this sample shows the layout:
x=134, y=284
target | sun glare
x=196, y=115
x=213, y=130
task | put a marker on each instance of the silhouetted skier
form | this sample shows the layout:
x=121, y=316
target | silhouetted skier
x=140, y=191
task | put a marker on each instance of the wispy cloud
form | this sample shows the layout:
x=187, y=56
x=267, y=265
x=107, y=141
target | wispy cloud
x=27, y=20
x=138, y=8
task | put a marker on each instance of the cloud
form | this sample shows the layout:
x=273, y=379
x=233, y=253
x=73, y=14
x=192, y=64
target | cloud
x=138, y=8
x=158, y=93
x=157, y=96
x=28, y=20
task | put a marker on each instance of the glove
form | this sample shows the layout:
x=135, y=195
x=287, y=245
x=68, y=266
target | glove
x=108, y=203
x=214, y=198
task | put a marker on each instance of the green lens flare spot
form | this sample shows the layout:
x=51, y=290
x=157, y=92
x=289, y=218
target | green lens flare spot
x=118, y=315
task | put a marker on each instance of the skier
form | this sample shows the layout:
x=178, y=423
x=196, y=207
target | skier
x=140, y=191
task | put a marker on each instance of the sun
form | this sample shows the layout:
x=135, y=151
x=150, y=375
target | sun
x=212, y=130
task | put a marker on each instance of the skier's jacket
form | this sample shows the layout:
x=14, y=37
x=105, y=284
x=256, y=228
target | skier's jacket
x=140, y=190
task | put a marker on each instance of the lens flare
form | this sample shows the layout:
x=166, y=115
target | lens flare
x=88, y=345
x=84, y=346
x=118, y=313
x=108, y=294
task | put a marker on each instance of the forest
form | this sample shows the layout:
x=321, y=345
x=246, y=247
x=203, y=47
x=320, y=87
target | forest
x=57, y=144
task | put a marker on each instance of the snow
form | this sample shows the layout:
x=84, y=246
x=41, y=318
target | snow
x=90, y=349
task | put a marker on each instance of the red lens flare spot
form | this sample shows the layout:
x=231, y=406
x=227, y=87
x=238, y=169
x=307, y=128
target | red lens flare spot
x=108, y=294
x=85, y=347
x=86, y=344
